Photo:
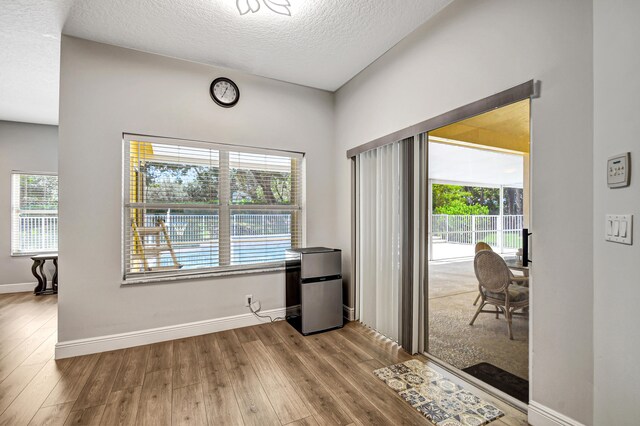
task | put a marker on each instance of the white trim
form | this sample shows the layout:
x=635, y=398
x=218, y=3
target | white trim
x=224, y=208
x=32, y=253
x=17, y=288
x=198, y=274
x=540, y=415
x=349, y=313
x=111, y=342
x=27, y=172
x=164, y=140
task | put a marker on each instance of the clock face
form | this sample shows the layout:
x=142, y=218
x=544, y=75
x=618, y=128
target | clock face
x=224, y=92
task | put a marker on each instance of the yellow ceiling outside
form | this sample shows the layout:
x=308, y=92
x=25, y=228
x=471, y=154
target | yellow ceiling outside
x=504, y=128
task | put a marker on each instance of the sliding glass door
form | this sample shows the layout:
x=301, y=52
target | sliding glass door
x=476, y=186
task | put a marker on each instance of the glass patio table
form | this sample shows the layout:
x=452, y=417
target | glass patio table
x=516, y=265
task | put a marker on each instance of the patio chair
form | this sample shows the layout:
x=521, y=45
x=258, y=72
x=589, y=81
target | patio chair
x=516, y=279
x=495, y=283
x=479, y=247
x=482, y=246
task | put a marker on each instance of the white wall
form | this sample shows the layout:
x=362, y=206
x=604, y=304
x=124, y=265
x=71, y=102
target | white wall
x=472, y=50
x=106, y=91
x=616, y=279
x=23, y=147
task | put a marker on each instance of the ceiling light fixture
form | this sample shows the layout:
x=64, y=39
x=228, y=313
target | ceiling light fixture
x=281, y=7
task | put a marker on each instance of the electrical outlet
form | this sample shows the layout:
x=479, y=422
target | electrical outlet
x=248, y=300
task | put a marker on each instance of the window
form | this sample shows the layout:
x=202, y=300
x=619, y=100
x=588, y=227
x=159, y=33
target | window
x=34, y=213
x=197, y=208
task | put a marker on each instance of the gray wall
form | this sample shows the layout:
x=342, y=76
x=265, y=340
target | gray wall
x=472, y=50
x=616, y=279
x=106, y=91
x=23, y=147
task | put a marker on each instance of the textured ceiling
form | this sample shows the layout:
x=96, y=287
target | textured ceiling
x=29, y=59
x=323, y=44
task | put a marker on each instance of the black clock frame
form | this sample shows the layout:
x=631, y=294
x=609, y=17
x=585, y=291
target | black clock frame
x=217, y=101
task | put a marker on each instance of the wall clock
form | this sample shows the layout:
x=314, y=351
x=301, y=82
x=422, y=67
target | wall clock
x=224, y=92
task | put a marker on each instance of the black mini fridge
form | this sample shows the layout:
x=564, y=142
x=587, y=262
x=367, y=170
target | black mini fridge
x=314, y=289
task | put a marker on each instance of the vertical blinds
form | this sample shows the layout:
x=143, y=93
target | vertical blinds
x=34, y=213
x=193, y=207
x=380, y=223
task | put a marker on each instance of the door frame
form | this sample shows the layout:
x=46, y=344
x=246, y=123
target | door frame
x=419, y=132
x=527, y=90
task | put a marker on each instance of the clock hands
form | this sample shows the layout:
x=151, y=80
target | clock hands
x=227, y=97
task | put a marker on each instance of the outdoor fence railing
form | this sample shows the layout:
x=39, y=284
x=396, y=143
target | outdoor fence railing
x=264, y=224
x=187, y=228
x=197, y=228
x=40, y=233
x=253, y=236
x=37, y=233
x=501, y=232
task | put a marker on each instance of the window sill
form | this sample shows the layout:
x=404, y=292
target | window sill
x=195, y=275
x=34, y=253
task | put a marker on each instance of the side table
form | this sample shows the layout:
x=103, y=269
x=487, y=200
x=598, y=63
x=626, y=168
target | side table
x=38, y=265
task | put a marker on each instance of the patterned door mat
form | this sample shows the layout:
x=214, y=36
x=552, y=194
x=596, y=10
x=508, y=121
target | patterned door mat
x=440, y=400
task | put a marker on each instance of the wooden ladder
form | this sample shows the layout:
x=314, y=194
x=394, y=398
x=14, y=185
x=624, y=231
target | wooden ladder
x=143, y=250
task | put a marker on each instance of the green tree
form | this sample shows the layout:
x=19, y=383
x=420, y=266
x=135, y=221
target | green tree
x=205, y=185
x=178, y=183
x=458, y=207
x=513, y=201
x=250, y=186
x=488, y=197
x=457, y=200
x=39, y=192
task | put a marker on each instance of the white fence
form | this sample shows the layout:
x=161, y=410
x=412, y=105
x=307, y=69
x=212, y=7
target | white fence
x=187, y=228
x=40, y=233
x=266, y=224
x=504, y=233
x=254, y=237
x=199, y=228
x=36, y=233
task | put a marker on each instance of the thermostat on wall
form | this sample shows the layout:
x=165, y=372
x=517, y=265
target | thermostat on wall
x=618, y=170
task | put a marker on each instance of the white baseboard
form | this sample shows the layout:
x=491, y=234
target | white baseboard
x=144, y=337
x=540, y=415
x=17, y=288
x=349, y=313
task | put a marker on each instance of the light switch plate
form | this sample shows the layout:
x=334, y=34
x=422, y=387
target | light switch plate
x=619, y=228
x=619, y=170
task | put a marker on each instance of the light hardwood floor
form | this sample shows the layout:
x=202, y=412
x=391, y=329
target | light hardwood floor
x=261, y=375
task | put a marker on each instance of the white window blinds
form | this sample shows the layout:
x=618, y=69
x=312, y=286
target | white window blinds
x=34, y=213
x=193, y=208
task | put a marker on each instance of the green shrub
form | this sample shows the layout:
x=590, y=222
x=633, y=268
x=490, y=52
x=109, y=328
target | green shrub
x=459, y=207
